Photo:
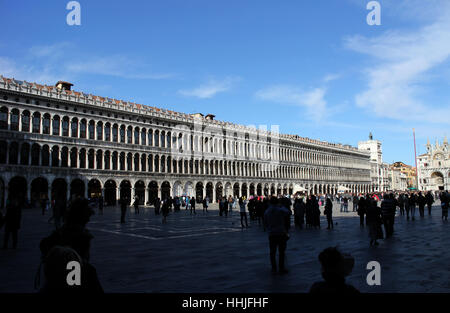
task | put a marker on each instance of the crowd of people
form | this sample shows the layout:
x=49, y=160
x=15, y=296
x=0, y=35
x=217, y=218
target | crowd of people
x=71, y=239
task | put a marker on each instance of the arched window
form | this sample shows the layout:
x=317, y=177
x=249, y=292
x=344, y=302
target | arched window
x=83, y=126
x=129, y=135
x=122, y=133
x=107, y=132
x=74, y=127
x=156, y=138
x=99, y=131
x=143, y=136
x=45, y=156
x=13, y=153
x=55, y=156
x=163, y=139
x=91, y=130
x=4, y=118
x=36, y=122
x=65, y=126
x=46, y=124
x=26, y=121
x=150, y=137
x=82, y=158
x=35, y=154
x=15, y=119
x=24, y=154
x=136, y=136
x=64, y=157
x=115, y=131
x=91, y=158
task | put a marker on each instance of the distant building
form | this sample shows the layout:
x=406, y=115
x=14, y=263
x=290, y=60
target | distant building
x=408, y=171
x=434, y=167
x=379, y=171
x=398, y=176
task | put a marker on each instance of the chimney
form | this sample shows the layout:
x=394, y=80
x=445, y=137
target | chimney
x=210, y=117
x=61, y=85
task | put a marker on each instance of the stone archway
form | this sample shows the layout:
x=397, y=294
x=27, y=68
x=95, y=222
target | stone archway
x=110, y=192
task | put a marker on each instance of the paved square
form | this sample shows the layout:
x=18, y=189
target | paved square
x=209, y=253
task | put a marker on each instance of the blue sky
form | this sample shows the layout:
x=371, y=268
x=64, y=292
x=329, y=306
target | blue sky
x=313, y=67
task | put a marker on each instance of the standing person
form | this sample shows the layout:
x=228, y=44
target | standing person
x=242, y=204
x=192, y=204
x=387, y=207
x=345, y=204
x=355, y=203
x=157, y=205
x=230, y=205
x=136, y=205
x=165, y=210
x=362, y=207
x=407, y=208
x=374, y=222
x=260, y=212
x=412, y=205
x=329, y=213
x=430, y=200
x=444, y=204
x=12, y=221
x=401, y=204
x=421, y=201
x=205, y=205
x=123, y=208
x=277, y=220
x=222, y=206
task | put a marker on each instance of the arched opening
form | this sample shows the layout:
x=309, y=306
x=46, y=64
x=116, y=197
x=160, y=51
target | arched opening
x=259, y=190
x=209, y=191
x=219, y=191
x=24, y=154
x=94, y=189
x=39, y=192
x=4, y=118
x=189, y=189
x=199, y=191
x=125, y=191
x=17, y=188
x=228, y=189
x=177, y=189
x=165, y=190
x=35, y=154
x=139, y=191
x=252, y=189
x=236, y=190
x=152, y=192
x=437, y=179
x=244, y=190
x=272, y=190
x=45, y=155
x=59, y=189
x=110, y=192
x=76, y=189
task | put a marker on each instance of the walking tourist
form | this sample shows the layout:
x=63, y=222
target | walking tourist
x=242, y=204
x=374, y=220
x=430, y=200
x=277, y=220
x=329, y=213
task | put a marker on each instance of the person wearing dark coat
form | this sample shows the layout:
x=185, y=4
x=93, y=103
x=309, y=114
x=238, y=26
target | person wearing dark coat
x=299, y=212
x=401, y=204
x=157, y=205
x=329, y=213
x=430, y=200
x=445, y=198
x=388, y=214
x=374, y=221
x=12, y=221
x=412, y=205
x=123, y=209
x=362, y=205
x=309, y=212
x=421, y=201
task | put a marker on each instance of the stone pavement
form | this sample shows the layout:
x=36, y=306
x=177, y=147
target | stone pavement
x=208, y=253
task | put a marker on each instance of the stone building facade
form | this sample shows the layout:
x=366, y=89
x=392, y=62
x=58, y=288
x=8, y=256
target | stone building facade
x=58, y=142
x=434, y=167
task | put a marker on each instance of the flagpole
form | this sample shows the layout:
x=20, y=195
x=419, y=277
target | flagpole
x=415, y=158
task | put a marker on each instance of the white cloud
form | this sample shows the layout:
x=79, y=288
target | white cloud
x=312, y=100
x=331, y=77
x=211, y=88
x=396, y=83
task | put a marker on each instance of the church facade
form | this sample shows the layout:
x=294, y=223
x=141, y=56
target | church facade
x=434, y=167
